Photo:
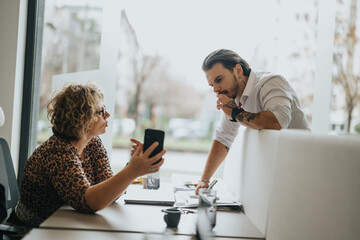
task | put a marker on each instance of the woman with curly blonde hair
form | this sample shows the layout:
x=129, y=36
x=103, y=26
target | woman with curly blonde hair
x=72, y=166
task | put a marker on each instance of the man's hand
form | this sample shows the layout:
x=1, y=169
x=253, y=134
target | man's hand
x=226, y=104
x=201, y=184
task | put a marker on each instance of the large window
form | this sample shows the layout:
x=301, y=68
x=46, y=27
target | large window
x=345, y=101
x=71, y=43
x=147, y=60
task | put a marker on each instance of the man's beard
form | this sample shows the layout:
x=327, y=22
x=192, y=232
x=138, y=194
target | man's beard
x=233, y=90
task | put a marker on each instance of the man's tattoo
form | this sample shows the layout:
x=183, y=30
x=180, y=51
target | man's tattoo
x=231, y=104
x=246, y=116
x=227, y=148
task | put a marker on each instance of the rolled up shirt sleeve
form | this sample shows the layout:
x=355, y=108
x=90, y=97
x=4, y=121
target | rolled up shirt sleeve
x=226, y=131
x=276, y=97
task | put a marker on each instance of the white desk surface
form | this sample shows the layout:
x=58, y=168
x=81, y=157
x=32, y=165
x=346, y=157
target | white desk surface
x=145, y=218
x=56, y=234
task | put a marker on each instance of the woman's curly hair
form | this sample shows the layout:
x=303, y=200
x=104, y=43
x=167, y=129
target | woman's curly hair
x=72, y=110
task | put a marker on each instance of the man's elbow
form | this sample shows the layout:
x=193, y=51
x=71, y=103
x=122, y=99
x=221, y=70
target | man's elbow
x=275, y=126
x=272, y=125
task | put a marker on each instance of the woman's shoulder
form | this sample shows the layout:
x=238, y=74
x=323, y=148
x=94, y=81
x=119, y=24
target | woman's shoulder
x=95, y=145
x=56, y=143
x=96, y=141
x=51, y=152
x=53, y=146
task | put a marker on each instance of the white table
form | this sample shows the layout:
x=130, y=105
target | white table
x=144, y=218
x=57, y=234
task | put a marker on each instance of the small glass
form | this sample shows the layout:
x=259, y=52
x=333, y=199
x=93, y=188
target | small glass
x=144, y=181
x=153, y=180
x=207, y=201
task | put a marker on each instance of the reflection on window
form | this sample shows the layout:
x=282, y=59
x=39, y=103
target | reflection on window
x=345, y=114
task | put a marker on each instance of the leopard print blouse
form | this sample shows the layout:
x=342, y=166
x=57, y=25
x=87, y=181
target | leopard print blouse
x=56, y=175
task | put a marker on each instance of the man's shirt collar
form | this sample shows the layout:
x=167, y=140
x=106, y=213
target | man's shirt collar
x=248, y=88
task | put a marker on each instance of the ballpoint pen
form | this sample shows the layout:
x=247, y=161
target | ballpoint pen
x=211, y=185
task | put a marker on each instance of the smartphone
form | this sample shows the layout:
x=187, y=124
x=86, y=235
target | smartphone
x=151, y=136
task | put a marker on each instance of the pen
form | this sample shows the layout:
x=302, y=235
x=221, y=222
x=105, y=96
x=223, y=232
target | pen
x=211, y=185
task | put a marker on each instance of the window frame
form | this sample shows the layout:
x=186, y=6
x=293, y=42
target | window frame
x=31, y=82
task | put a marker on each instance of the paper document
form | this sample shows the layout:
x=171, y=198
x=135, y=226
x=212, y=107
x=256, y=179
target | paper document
x=188, y=199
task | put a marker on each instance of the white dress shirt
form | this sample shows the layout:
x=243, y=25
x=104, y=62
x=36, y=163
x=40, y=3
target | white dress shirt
x=265, y=91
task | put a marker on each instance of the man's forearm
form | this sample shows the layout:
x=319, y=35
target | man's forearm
x=262, y=120
x=216, y=156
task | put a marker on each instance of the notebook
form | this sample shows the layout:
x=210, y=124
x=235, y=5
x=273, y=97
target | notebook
x=164, y=196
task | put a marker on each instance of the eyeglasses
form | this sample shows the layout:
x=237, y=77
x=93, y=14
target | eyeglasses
x=102, y=111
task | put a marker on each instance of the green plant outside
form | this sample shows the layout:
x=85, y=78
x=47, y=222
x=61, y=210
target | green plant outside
x=357, y=128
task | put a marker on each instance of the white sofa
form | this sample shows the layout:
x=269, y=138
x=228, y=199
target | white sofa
x=297, y=185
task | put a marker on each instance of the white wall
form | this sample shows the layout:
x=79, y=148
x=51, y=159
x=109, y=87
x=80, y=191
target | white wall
x=12, y=48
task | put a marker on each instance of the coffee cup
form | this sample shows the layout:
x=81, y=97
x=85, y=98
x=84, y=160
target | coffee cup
x=172, y=217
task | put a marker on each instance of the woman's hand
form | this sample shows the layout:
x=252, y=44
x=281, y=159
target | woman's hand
x=141, y=164
x=135, y=146
x=102, y=194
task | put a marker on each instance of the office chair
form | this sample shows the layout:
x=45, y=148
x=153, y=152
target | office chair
x=3, y=210
x=8, y=180
x=7, y=176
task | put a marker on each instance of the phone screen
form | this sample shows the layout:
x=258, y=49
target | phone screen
x=151, y=136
